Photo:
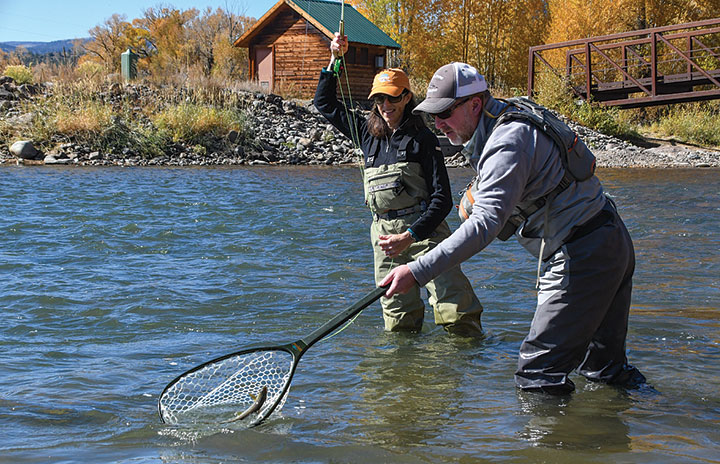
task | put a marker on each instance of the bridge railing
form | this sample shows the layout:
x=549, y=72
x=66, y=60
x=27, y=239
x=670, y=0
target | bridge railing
x=647, y=67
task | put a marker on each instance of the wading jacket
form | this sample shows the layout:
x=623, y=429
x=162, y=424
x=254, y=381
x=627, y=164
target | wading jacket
x=384, y=151
x=515, y=162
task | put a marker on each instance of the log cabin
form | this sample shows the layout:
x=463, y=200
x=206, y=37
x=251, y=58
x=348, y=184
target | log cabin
x=290, y=44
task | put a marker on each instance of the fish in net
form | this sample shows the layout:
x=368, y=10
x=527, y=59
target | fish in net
x=246, y=386
x=223, y=389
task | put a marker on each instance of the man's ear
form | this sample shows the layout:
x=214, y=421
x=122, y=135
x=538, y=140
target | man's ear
x=476, y=105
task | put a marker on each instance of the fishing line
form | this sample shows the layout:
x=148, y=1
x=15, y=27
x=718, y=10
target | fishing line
x=352, y=122
x=349, y=112
x=348, y=324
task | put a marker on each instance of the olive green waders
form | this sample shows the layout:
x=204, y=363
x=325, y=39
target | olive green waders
x=400, y=189
x=455, y=305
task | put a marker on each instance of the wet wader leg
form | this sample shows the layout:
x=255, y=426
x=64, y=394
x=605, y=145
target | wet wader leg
x=575, y=305
x=607, y=348
x=455, y=305
x=401, y=312
x=453, y=300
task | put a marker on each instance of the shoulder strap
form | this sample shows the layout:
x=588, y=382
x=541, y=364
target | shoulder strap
x=535, y=114
x=529, y=112
x=402, y=149
x=374, y=147
x=532, y=114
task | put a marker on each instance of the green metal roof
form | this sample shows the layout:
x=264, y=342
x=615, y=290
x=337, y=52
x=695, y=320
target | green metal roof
x=357, y=27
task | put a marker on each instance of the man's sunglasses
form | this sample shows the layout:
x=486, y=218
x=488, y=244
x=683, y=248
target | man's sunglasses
x=380, y=98
x=448, y=112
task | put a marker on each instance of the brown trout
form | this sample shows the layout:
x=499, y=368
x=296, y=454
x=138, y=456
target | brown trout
x=255, y=407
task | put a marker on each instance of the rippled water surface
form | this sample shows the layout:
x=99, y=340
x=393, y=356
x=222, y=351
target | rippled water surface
x=114, y=281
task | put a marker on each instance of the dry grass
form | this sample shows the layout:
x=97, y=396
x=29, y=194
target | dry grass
x=697, y=123
x=84, y=105
x=194, y=123
x=90, y=118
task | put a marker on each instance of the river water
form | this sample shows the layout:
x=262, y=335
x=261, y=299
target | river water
x=115, y=280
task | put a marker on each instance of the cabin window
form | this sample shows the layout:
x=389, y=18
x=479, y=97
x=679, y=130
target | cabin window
x=350, y=55
x=362, y=56
x=357, y=55
x=379, y=61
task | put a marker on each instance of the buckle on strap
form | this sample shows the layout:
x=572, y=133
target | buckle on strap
x=396, y=213
x=520, y=215
x=402, y=149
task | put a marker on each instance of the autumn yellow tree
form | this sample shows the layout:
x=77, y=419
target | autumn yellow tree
x=643, y=14
x=398, y=19
x=109, y=41
x=167, y=39
x=575, y=19
x=500, y=34
x=493, y=35
x=194, y=42
x=210, y=42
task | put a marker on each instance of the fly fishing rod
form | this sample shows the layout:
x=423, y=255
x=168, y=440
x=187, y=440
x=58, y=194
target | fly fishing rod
x=248, y=385
x=338, y=65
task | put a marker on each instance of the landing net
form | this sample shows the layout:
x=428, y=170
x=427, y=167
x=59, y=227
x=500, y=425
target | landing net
x=219, y=391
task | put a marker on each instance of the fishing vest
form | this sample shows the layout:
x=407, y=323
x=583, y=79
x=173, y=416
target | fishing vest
x=395, y=190
x=577, y=160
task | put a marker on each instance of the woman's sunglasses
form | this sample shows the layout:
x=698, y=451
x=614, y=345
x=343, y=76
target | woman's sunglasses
x=448, y=112
x=380, y=98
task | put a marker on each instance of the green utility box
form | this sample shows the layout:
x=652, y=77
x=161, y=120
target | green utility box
x=128, y=65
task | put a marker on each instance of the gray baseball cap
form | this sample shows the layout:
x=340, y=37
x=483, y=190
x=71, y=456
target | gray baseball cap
x=449, y=83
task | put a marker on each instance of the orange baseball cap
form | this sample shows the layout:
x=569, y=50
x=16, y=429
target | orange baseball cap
x=390, y=82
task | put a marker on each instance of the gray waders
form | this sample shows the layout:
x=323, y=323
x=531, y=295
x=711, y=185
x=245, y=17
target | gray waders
x=581, y=318
x=397, y=195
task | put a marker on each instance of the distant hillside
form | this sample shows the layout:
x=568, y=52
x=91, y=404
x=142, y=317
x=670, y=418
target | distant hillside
x=40, y=48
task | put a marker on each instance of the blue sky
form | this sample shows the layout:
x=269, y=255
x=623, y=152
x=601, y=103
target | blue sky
x=48, y=20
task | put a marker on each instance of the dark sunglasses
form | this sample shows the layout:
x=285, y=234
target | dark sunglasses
x=448, y=112
x=380, y=98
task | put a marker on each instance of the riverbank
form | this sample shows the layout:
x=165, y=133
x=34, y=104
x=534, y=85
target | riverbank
x=276, y=131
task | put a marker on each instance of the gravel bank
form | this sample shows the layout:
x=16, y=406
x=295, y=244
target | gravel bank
x=612, y=152
x=287, y=132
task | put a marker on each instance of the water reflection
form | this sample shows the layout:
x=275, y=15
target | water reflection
x=577, y=422
x=414, y=382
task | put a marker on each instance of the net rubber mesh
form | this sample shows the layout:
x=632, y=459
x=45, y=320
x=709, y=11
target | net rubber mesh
x=219, y=391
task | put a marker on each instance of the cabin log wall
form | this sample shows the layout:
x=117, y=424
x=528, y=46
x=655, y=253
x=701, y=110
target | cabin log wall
x=300, y=51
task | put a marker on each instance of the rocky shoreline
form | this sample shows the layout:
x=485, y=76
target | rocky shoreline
x=291, y=132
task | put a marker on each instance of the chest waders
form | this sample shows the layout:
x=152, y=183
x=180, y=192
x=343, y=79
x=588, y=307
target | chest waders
x=397, y=194
x=395, y=190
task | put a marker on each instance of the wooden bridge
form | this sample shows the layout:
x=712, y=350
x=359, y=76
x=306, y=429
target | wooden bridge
x=671, y=64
